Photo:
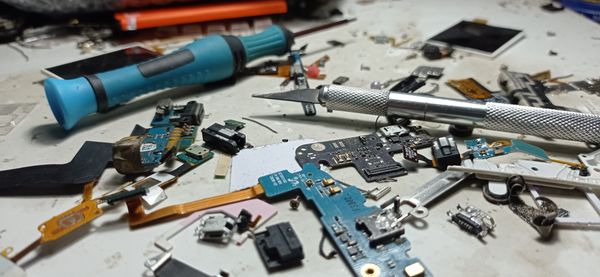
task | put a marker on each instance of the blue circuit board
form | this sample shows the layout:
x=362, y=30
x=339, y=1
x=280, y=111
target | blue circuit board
x=185, y=158
x=187, y=138
x=524, y=147
x=154, y=144
x=481, y=149
x=347, y=221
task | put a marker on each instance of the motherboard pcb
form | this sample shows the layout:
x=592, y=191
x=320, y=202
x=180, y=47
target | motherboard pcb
x=371, y=155
x=365, y=236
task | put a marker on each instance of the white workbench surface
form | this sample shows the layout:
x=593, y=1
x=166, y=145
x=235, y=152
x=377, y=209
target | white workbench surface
x=107, y=247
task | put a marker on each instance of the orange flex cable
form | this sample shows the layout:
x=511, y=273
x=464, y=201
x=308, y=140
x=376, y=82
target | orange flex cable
x=137, y=215
x=66, y=222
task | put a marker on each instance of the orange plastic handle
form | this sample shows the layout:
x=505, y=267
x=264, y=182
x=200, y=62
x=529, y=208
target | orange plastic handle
x=135, y=20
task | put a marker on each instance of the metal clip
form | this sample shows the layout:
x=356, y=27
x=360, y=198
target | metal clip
x=157, y=261
x=377, y=193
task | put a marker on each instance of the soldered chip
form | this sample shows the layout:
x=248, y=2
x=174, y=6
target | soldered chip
x=334, y=190
x=197, y=152
x=414, y=270
x=328, y=182
x=352, y=250
x=344, y=238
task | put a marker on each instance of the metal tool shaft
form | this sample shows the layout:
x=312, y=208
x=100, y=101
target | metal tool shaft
x=494, y=116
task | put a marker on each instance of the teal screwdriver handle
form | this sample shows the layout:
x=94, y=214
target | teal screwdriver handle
x=206, y=60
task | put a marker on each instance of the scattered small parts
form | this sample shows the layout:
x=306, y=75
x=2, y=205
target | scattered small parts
x=432, y=52
x=470, y=88
x=553, y=6
x=279, y=246
x=164, y=265
x=340, y=80
x=392, y=41
x=223, y=165
x=336, y=43
x=542, y=217
x=414, y=270
x=217, y=227
x=223, y=138
x=299, y=75
x=295, y=203
x=234, y=124
x=261, y=124
x=416, y=80
x=376, y=85
x=445, y=153
x=472, y=220
x=524, y=89
x=195, y=155
x=411, y=56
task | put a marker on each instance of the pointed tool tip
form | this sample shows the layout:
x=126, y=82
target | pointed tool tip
x=301, y=95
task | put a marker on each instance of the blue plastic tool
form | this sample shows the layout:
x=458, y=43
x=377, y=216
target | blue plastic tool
x=213, y=58
x=210, y=59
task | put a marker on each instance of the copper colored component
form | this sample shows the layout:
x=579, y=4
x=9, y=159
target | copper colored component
x=88, y=190
x=255, y=222
x=137, y=215
x=26, y=250
x=542, y=76
x=470, y=88
x=64, y=223
x=334, y=190
x=321, y=61
x=328, y=182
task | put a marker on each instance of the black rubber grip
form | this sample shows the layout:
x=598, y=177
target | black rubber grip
x=238, y=51
x=99, y=92
x=166, y=63
x=289, y=37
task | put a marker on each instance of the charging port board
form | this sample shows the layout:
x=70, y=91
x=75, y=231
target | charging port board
x=368, y=249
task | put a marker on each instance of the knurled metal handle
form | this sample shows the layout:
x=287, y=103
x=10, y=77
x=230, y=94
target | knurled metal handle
x=543, y=122
x=358, y=100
